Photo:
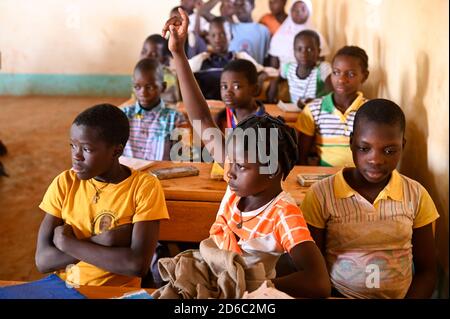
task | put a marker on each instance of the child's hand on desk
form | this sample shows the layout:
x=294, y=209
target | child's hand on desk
x=116, y=237
x=178, y=30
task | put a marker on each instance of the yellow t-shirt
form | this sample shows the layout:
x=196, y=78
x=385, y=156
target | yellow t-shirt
x=138, y=198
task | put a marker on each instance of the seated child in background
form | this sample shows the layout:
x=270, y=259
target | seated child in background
x=208, y=66
x=151, y=122
x=374, y=225
x=238, y=89
x=256, y=218
x=309, y=78
x=155, y=47
x=276, y=17
x=195, y=44
x=328, y=121
x=100, y=215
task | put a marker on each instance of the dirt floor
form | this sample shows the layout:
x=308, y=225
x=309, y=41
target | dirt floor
x=36, y=132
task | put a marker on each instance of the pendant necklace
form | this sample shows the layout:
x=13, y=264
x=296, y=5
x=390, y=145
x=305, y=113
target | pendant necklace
x=241, y=222
x=98, y=191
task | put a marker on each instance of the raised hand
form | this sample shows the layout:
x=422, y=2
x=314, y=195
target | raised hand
x=177, y=27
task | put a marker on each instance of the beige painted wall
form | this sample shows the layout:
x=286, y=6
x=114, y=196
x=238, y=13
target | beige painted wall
x=408, y=48
x=80, y=36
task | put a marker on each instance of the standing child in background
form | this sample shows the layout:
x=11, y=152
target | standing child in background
x=309, y=78
x=208, y=66
x=195, y=44
x=256, y=218
x=374, y=225
x=328, y=121
x=198, y=24
x=299, y=19
x=276, y=17
x=226, y=12
x=151, y=122
x=249, y=36
x=113, y=253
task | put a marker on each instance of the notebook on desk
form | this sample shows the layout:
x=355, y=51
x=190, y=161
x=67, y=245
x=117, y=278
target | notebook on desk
x=50, y=287
x=135, y=163
x=309, y=179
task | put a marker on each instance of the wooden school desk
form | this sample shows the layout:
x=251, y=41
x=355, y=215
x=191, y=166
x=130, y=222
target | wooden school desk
x=216, y=106
x=92, y=292
x=193, y=201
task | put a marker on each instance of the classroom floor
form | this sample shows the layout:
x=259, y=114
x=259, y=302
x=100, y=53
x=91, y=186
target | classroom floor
x=35, y=130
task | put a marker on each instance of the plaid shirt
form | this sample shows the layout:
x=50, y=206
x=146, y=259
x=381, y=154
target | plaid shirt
x=150, y=131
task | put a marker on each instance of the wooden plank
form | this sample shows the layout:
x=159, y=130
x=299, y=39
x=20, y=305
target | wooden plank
x=216, y=106
x=189, y=221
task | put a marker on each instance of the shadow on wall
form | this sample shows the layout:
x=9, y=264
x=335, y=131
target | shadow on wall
x=376, y=84
x=335, y=37
x=415, y=158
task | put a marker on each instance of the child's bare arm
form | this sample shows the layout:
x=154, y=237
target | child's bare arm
x=129, y=261
x=305, y=142
x=205, y=9
x=49, y=258
x=424, y=259
x=318, y=235
x=116, y=237
x=311, y=280
x=195, y=103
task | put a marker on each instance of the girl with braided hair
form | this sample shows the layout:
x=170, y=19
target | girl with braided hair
x=256, y=218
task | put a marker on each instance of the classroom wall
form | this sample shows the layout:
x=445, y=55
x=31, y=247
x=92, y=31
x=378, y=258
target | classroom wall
x=77, y=47
x=408, y=48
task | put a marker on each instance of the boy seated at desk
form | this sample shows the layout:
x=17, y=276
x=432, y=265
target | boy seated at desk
x=151, y=122
x=101, y=220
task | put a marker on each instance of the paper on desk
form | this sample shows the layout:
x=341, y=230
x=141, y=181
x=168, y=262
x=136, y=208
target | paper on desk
x=266, y=292
x=288, y=107
x=135, y=163
x=138, y=294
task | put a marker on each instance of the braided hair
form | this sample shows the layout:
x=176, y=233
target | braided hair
x=355, y=52
x=287, y=139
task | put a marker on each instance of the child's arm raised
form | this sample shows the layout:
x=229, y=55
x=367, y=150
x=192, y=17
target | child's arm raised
x=311, y=280
x=195, y=103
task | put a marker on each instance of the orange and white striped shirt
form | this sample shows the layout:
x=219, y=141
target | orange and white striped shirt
x=266, y=232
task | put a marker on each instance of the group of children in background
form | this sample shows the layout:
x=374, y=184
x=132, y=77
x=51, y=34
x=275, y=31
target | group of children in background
x=367, y=214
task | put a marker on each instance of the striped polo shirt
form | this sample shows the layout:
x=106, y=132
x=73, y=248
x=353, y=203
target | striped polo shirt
x=311, y=87
x=331, y=128
x=363, y=238
x=266, y=233
x=150, y=131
